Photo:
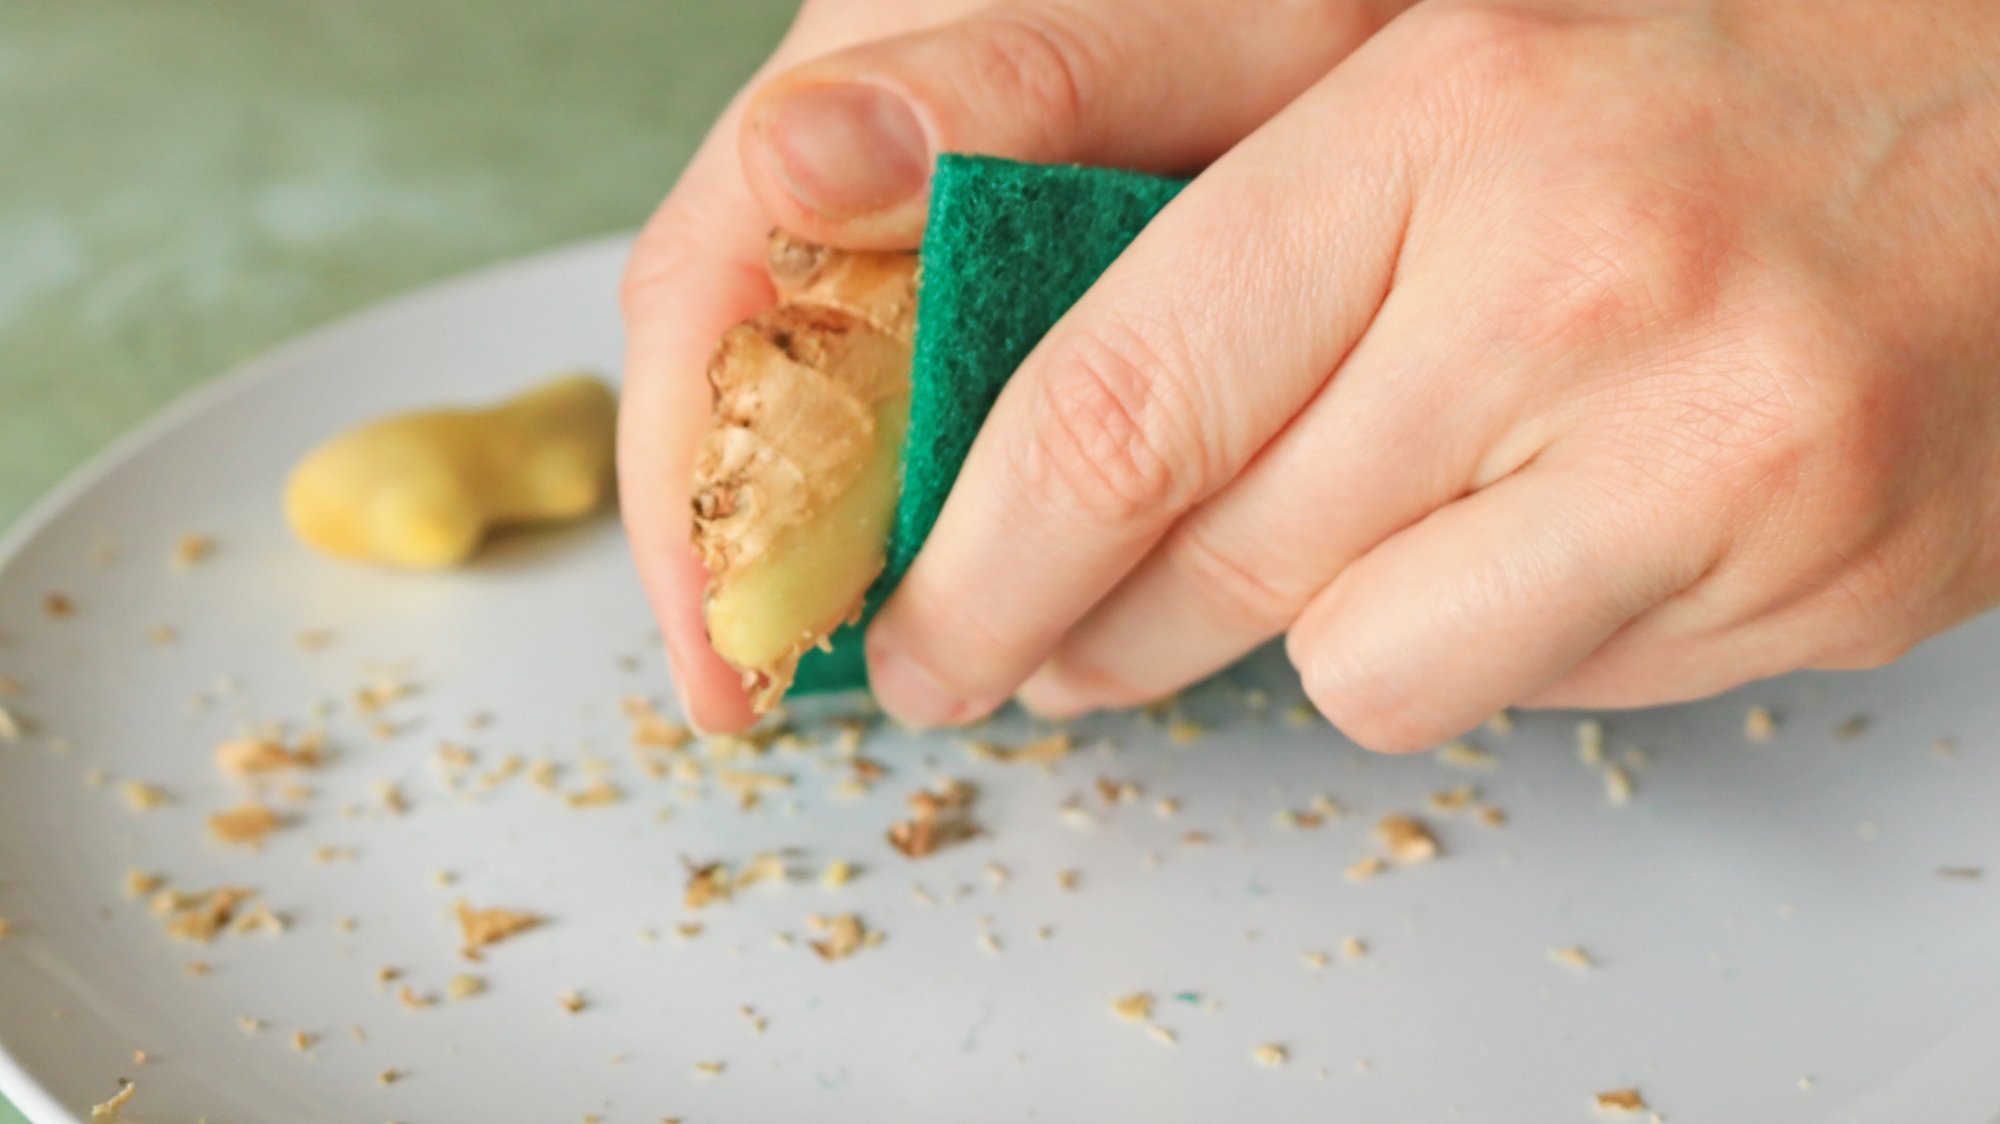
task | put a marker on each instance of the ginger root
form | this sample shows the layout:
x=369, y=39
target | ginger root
x=797, y=476
x=423, y=490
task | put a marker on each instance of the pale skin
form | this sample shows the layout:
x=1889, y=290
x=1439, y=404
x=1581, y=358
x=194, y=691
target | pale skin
x=1545, y=354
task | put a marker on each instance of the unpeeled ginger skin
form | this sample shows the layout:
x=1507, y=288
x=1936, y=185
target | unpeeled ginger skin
x=423, y=491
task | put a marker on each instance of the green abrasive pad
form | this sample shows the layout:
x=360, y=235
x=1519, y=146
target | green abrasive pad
x=1008, y=249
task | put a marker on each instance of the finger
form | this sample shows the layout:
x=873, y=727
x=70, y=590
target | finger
x=1222, y=319
x=840, y=149
x=1490, y=599
x=1401, y=430
x=696, y=270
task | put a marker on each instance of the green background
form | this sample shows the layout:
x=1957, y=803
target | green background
x=187, y=183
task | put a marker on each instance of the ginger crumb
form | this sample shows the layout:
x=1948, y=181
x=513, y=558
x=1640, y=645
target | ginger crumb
x=1300, y=715
x=479, y=928
x=109, y=1111
x=838, y=873
x=1590, y=742
x=1621, y=1100
x=196, y=968
x=246, y=824
x=199, y=916
x=1353, y=948
x=1617, y=785
x=1134, y=1008
x=1161, y=1035
x=846, y=934
x=6, y=928
x=1570, y=956
x=1501, y=724
x=1406, y=839
x=312, y=639
x=596, y=795
x=1364, y=868
x=10, y=728
x=1315, y=959
x=259, y=919
x=162, y=635
x=1465, y=755
x=651, y=729
x=1490, y=816
x=139, y=1057
x=95, y=778
x=1759, y=725
x=250, y=1024
x=709, y=1069
x=391, y=797
x=938, y=818
x=302, y=1042
x=572, y=1002
x=1270, y=1055
x=389, y=1076
x=1185, y=731
x=706, y=883
x=1166, y=807
x=1453, y=799
x=142, y=797
x=191, y=550
x=1068, y=879
x=1117, y=792
x=139, y=883
x=997, y=874
x=411, y=1000
x=1044, y=751
x=58, y=606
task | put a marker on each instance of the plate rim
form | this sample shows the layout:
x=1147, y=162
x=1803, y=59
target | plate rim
x=18, y=1086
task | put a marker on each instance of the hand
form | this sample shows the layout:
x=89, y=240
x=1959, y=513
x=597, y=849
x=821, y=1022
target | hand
x=1540, y=353
x=839, y=149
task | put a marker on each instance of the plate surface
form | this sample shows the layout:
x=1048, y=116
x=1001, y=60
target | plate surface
x=1788, y=931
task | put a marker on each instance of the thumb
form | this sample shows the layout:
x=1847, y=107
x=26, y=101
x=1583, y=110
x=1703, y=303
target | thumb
x=840, y=149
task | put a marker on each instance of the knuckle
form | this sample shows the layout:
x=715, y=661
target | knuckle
x=1103, y=430
x=1465, y=52
x=1033, y=64
x=1230, y=587
x=1613, y=262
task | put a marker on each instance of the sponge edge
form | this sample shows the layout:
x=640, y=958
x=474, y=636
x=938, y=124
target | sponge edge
x=1008, y=249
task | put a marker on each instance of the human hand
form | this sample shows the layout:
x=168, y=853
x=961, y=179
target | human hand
x=1541, y=353
x=839, y=149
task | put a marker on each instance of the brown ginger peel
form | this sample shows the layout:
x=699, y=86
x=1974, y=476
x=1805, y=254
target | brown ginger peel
x=797, y=476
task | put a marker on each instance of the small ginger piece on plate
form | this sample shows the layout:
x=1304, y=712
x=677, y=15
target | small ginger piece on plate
x=481, y=927
x=1406, y=839
x=796, y=480
x=422, y=491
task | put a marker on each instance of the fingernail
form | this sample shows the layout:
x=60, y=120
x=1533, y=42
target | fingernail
x=1048, y=694
x=687, y=712
x=847, y=149
x=909, y=691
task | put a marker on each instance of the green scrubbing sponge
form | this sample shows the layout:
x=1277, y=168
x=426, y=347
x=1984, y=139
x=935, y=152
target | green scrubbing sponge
x=1008, y=249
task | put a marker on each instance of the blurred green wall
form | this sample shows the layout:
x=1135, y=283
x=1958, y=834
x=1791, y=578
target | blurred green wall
x=184, y=183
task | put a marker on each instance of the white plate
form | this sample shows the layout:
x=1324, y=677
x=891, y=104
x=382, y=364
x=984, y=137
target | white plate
x=1762, y=914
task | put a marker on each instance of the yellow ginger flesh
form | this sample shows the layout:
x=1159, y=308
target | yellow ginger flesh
x=424, y=490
